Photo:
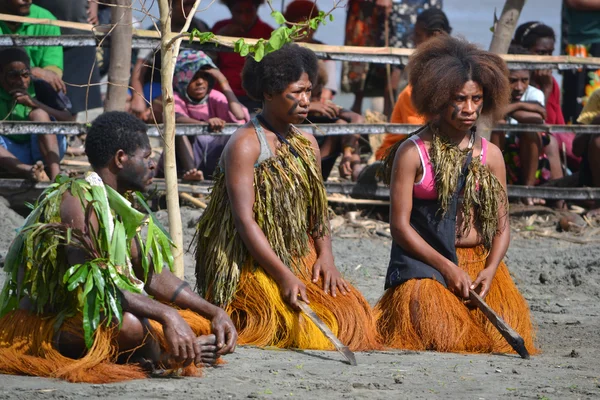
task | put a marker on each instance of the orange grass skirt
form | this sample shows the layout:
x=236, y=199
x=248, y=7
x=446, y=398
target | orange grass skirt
x=262, y=318
x=26, y=348
x=421, y=314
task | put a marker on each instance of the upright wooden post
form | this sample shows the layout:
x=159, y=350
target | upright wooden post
x=169, y=47
x=120, y=56
x=506, y=25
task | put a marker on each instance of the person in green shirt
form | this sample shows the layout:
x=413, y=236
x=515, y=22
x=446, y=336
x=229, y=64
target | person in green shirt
x=46, y=61
x=29, y=156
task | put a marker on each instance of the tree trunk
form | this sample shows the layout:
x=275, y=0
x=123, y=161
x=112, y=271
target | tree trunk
x=120, y=56
x=169, y=51
x=506, y=25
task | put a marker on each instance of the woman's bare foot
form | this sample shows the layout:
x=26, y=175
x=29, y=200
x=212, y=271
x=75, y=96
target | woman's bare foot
x=37, y=172
x=193, y=175
x=208, y=350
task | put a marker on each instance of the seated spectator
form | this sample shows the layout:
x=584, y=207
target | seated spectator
x=197, y=101
x=145, y=75
x=46, y=61
x=35, y=157
x=299, y=11
x=527, y=163
x=588, y=146
x=539, y=39
x=80, y=67
x=323, y=110
x=430, y=23
x=244, y=22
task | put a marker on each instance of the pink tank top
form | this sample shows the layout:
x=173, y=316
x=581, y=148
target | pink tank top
x=425, y=188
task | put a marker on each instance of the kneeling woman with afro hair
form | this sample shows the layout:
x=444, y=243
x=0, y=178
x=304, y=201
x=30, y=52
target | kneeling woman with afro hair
x=263, y=242
x=449, y=210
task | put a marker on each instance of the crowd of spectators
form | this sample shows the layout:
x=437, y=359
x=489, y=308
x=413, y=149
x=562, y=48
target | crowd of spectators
x=54, y=83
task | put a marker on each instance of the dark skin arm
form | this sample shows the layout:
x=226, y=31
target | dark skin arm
x=215, y=124
x=405, y=171
x=482, y=283
x=163, y=287
x=24, y=98
x=526, y=113
x=182, y=341
x=325, y=264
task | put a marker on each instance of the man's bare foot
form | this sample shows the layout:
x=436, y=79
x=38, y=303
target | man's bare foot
x=37, y=172
x=530, y=201
x=193, y=175
x=208, y=350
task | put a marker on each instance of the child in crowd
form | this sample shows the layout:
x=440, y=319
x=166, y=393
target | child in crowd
x=244, y=22
x=539, y=39
x=197, y=101
x=588, y=146
x=526, y=161
x=35, y=157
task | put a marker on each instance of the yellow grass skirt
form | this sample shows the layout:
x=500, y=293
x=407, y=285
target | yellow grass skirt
x=421, y=314
x=26, y=348
x=264, y=319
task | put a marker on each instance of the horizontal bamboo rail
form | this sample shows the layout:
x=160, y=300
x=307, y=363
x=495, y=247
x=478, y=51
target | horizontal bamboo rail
x=149, y=39
x=72, y=128
x=354, y=190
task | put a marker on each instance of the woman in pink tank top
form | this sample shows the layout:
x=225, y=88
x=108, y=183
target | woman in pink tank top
x=449, y=210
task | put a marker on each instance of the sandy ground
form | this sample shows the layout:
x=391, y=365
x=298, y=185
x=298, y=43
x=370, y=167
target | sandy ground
x=561, y=281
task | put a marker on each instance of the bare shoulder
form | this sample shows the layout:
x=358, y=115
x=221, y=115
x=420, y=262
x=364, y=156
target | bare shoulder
x=242, y=145
x=494, y=156
x=71, y=211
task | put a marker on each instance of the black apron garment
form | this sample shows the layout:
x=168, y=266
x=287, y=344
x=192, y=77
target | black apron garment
x=438, y=230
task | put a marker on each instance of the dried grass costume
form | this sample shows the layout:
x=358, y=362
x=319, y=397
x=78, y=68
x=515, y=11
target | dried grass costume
x=291, y=209
x=85, y=299
x=417, y=311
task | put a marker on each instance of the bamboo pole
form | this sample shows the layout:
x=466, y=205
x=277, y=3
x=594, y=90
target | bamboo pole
x=227, y=41
x=170, y=43
x=505, y=26
x=120, y=56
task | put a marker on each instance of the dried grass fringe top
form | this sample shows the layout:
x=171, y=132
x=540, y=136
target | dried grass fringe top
x=483, y=193
x=290, y=204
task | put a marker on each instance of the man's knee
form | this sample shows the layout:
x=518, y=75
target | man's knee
x=133, y=331
x=39, y=115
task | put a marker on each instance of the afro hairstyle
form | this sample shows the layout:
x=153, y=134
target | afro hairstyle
x=277, y=70
x=111, y=132
x=301, y=10
x=439, y=69
x=529, y=33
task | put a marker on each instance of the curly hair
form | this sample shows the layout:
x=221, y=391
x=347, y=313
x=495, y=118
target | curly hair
x=277, y=70
x=229, y=3
x=529, y=33
x=434, y=20
x=439, y=69
x=13, y=54
x=111, y=132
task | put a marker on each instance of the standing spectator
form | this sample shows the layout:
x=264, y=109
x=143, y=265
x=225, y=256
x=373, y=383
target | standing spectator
x=583, y=37
x=79, y=62
x=145, y=76
x=46, y=61
x=244, y=22
x=30, y=156
x=365, y=26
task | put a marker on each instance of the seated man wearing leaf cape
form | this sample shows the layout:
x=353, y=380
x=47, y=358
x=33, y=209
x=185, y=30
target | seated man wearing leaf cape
x=86, y=297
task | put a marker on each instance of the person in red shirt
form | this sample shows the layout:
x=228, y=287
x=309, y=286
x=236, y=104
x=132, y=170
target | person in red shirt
x=244, y=22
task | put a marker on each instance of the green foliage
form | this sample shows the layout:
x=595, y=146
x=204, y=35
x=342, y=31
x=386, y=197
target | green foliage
x=286, y=33
x=36, y=261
